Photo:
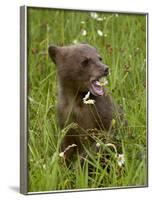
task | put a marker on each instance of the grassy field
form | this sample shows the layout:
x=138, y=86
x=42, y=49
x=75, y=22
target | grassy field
x=121, y=40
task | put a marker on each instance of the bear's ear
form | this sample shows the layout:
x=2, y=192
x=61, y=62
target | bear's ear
x=53, y=50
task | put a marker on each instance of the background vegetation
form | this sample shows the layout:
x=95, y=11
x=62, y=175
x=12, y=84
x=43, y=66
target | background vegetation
x=121, y=40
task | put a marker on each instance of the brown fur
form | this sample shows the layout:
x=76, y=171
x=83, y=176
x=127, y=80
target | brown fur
x=76, y=66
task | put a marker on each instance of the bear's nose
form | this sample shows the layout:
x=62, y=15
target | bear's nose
x=106, y=71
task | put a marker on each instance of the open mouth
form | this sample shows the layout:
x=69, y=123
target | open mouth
x=96, y=87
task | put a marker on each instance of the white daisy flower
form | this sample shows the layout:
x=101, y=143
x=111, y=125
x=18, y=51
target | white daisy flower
x=84, y=32
x=89, y=101
x=100, y=33
x=121, y=160
x=44, y=166
x=100, y=19
x=82, y=22
x=61, y=154
x=116, y=15
x=97, y=144
x=103, y=81
x=75, y=41
x=94, y=15
x=86, y=99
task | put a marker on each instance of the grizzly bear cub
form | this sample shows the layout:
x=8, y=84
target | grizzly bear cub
x=82, y=98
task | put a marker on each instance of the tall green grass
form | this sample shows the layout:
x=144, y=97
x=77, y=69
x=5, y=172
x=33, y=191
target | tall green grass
x=123, y=47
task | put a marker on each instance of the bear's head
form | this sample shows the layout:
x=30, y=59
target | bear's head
x=79, y=67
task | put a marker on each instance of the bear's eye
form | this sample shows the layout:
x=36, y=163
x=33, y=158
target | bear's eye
x=100, y=58
x=85, y=62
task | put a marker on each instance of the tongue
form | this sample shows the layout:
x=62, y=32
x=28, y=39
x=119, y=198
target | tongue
x=97, y=89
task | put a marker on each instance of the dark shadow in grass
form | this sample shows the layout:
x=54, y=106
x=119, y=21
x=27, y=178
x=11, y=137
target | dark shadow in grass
x=14, y=188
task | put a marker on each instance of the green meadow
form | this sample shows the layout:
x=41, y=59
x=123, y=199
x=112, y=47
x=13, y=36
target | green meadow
x=121, y=40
